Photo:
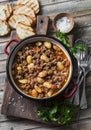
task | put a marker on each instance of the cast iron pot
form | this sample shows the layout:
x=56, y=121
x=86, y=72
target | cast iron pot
x=31, y=40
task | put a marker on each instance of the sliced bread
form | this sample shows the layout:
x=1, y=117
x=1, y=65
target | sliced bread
x=4, y=28
x=34, y=4
x=24, y=31
x=5, y=11
x=24, y=9
x=14, y=19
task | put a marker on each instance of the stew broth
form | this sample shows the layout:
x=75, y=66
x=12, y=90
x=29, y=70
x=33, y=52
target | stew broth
x=40, y=69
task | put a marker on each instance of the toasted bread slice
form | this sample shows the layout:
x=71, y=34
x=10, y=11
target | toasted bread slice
x=24, y=9
x=4, y=28
x=34, y=4
x=17, y=7
x=5, y=11
x=22, y=2
x=14, y=19
x=24, y=31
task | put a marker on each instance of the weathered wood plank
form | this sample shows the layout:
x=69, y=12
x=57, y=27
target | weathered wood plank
x=4, y=39
x=1, y=97
x=19, y=125
x=2, y=45
x=2, y=66
x=3, y=57
x=30, y=125
x=2, y=80
x=3, y=1
x=71, y=6
x=4, y=118
x=83, y=125
x=48, y=2
x=27, y=125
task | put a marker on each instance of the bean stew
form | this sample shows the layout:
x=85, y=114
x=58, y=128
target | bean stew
x=40, y=69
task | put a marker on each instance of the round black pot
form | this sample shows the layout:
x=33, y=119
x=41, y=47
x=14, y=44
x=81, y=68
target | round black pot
x=31, y=40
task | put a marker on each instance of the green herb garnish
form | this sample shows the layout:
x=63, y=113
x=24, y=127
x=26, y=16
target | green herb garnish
x=64, y=39
x=59, y=113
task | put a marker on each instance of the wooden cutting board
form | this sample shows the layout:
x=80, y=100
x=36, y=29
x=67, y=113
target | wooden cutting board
x=13, y=103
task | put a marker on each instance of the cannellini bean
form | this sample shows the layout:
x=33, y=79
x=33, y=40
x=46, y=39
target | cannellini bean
x=30, y=66
x=49, y=93
x=23, y=81
x=19, y=53
x=55, y=72
x=34, y=93
x=60, y=65
x=40, y=80
x=45, y=58
x=47, y=45
x=29, y=59
x=42, y=74
x=56, y=48
x=47, y=84
x=19, y=68
x=38, y=43
x=38, y=89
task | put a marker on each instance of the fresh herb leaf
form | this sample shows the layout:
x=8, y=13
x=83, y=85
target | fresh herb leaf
x=53, y=110
x=52, y=113
x=42, y=114
x=64, y=39
x=80, y=47
x=61, y=114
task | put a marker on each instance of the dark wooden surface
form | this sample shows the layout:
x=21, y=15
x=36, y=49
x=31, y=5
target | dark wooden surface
x=81, y=11
x=42, y=24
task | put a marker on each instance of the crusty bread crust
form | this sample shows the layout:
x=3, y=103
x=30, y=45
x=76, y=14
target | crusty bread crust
x=14, y=19
x=24, y=31
x=34, y=4
x=24, y=9
x=5, y=11
x=4, y=28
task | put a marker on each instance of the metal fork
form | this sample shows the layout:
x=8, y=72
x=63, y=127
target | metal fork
x=76, y=97
x=84, y=65
x=80, y=71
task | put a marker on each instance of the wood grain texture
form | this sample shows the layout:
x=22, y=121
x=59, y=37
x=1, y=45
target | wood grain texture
x=81, y=11
x=42, y=24
x=69, y=6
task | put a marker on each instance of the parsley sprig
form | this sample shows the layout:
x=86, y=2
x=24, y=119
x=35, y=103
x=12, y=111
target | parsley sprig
x=64, y=39
x=62, y=113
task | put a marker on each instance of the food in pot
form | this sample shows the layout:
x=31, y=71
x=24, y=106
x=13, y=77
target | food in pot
x=40, y=69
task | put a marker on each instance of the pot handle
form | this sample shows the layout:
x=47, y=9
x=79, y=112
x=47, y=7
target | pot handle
x=7, y=45
x=66, y=96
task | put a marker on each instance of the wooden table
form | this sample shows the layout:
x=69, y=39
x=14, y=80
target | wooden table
x=81, y=11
